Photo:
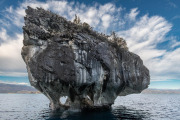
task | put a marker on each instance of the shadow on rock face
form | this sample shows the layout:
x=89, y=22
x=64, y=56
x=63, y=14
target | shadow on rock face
x=70, y=59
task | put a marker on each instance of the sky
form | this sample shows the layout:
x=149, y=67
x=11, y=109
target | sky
x=150, y=28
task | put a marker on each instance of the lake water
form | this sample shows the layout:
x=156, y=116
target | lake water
x=136, y=106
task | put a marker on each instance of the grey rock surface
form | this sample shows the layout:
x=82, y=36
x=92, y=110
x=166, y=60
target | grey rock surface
x=66, y=58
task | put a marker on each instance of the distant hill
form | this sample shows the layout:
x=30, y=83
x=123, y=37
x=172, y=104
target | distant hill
x=11, y=88
x=161, y=91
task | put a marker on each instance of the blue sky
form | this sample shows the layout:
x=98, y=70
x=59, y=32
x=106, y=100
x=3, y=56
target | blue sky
x=150, y=27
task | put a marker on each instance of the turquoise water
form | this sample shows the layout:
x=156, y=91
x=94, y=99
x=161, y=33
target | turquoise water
x=137, y=106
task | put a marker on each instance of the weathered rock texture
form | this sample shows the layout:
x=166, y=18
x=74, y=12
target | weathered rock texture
x=69, y=59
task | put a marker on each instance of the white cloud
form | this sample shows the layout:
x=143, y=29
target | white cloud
x=175, y=44
x=98, y=16
x=3, y=35
x=146, y=33
x=106, y=19
x=142, y=33
x=132, y=15
x=10, y=55
x=15, y=83
x=174, y=41
x=11, y=62
x=144, y=37
x=13, y=73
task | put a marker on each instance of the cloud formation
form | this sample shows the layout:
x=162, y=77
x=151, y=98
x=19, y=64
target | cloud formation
x=142, y=33
x=11, y=62
x=15, y=83
x=143, y=38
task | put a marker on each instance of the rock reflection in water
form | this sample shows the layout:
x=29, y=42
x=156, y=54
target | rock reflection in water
x=116, y=113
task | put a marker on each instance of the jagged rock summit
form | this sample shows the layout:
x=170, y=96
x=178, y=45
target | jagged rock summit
x=66, y=58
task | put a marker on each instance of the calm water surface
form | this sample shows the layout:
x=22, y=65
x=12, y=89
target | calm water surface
x=137, y=106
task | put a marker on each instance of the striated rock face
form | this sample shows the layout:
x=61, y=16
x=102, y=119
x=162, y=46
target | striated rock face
x=69, y=59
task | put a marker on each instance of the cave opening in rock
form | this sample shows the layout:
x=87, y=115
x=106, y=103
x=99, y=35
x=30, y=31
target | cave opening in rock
x=63, y=99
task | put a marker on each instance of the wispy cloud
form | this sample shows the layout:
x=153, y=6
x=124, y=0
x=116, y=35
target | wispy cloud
x=98, y=16
x=15, y=83
x=143, y=38
x=176, y=17
x=133, y=14
x=13, y=73
x=172, y=4
x=142, y=33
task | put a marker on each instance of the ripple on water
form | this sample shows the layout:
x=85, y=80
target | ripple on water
x=137, y=106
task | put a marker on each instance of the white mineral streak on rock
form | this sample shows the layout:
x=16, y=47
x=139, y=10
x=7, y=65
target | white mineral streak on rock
x=31, y=78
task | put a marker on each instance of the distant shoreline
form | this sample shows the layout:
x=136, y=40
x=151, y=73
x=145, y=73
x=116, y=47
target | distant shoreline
x=24, y=89
x=161, y=91
x=147, y=91
x=22, y=92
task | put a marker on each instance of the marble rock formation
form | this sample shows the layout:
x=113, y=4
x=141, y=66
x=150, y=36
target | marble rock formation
x=69, y=59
